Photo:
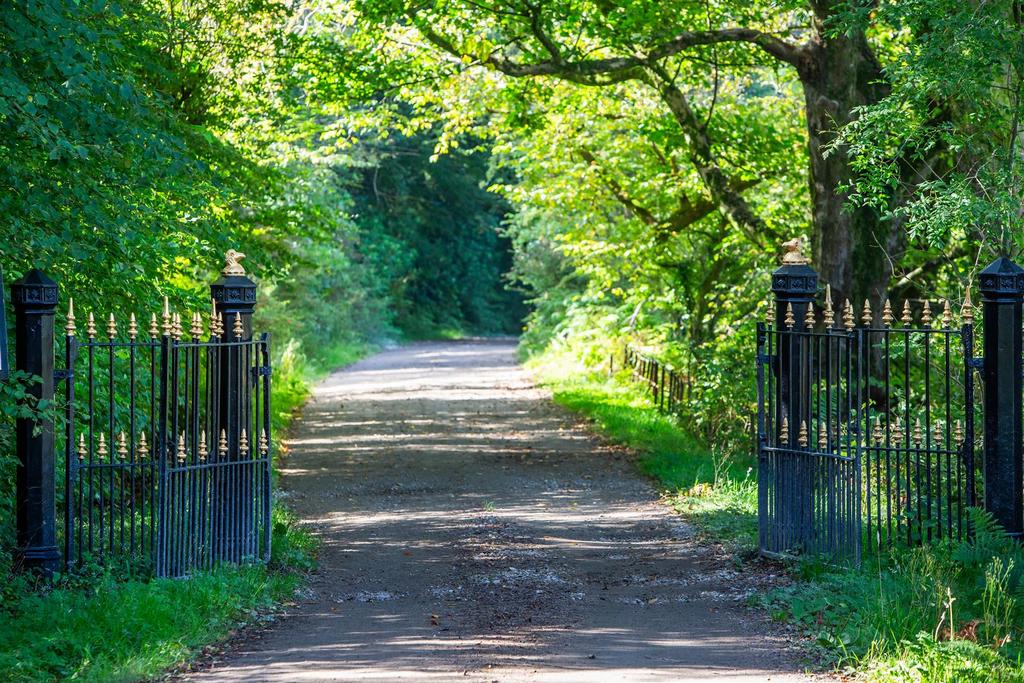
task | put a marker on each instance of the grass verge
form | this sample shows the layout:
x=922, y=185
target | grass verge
x=105, y=627
x=943, y=613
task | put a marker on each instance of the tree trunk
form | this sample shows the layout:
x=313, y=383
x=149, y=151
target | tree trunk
x=851, y=246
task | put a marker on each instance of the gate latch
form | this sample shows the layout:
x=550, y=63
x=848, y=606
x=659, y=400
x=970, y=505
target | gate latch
x=60, y=375
x=261, y=371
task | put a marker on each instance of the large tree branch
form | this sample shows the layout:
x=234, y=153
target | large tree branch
x=688, y=212
x=613, y=69
x=723, y=189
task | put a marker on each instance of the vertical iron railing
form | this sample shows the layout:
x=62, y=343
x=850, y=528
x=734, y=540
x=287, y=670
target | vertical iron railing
x=865, y=424
x=166, y=440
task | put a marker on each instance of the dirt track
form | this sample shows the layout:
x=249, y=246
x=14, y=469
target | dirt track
x=471, y=532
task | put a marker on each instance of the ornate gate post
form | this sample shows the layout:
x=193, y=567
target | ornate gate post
x=794, y=285
x=1002, y=297
x=233, y=508
x=35, y=299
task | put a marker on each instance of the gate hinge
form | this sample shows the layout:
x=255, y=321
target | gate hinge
x=765, y=358
x=976, y=363
x=59, y=375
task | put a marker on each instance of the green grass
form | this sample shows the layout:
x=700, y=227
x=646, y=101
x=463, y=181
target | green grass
x=105, y=628
x=887, y=621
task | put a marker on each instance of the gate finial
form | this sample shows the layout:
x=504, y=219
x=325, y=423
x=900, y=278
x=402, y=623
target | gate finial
x=69, y=328
x=829, y=315
x=232, y=265
x=849, y=321
x=967, y=312
x=887, y=316
x=793, y=254
x=866, y=315
x=802, y=437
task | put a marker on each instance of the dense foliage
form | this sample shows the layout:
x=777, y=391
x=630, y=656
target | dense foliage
x=139, y=141
x=629, y=168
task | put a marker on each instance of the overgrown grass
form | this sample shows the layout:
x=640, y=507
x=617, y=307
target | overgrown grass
x=104, y=627
x=951, y=612
x=945, y=612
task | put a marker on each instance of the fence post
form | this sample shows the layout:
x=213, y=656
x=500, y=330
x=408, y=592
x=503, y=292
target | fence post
x=1002, y=297
x=794, y=285
x=235, y=297
x=35, y=299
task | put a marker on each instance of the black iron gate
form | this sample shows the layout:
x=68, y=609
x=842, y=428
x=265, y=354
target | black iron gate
x=167, y=445
x=865, y=422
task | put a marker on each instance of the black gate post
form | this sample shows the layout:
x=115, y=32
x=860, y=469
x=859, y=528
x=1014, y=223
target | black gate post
x=234, y=510
x=35, y=299
x=794, y=285
x=1002, y=297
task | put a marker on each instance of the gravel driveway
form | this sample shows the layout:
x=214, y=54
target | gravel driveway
x=473, y=531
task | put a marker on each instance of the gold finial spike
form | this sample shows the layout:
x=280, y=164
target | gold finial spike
x=829, y=314
x=947, y=314
x=197, y=327
x=784, y=432
x=887, y=316
x=769, y=316
x=866, y=315
x=213, y=318
x=897, y=431
x=264, y=443
x=111, y=326
x=926, y=313
x=90, y=326
x=877, y=433
x=167, y=325
x=917, y=432
x=232, y=265
x=153, y=329
x=176, y=326
x=101, y=449
x=790, y=320
x=822, y=436
x=181, y=448
x=809, y=319
x=967, y=311
x=243, y=444
x=143, y=445
x=133, y=328
x=802, y=437
x=203, y=452
x=222, y=447
x=937, y=434
x=907, y=318
x=220, y=324
x=849, y=320
x=69, y=327
x=958, y=434
x=122, y=446
x=82, y=450
x=238, y=326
